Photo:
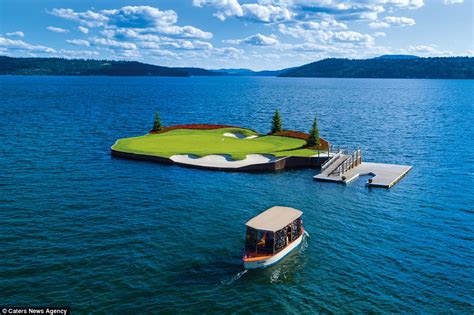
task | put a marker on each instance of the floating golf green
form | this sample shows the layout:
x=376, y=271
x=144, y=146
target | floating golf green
x=236, y=142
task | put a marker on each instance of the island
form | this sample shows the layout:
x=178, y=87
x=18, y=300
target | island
x=224, y=147
x=231, y=148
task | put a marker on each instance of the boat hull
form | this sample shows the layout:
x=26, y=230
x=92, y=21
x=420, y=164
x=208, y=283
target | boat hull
x=257, y=263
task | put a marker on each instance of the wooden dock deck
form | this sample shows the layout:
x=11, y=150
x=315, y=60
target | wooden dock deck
x=385, y=175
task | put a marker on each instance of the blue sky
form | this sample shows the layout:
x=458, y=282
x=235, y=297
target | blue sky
x=256, y=34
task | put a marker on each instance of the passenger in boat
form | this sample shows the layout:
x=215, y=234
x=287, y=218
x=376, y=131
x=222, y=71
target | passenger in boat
x=262, y=240
x=288, y=234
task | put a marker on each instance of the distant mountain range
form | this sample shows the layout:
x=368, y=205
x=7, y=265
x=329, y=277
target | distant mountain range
x=197, y=72
x=248, y=72
x=386, y=66
x=397, y=57
x=232, y=72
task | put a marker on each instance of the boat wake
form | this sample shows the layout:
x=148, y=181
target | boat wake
x=275, y=275
x=234, y=278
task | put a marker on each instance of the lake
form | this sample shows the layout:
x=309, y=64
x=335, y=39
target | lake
x=80, y=228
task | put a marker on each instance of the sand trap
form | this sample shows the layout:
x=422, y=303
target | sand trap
x=238, y=135
x=222, y=161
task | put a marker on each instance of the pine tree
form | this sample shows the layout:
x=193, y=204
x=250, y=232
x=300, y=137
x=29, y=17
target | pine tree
x=276, y=122
x=157, y=126
x=313, y=139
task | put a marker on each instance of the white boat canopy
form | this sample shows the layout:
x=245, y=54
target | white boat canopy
x=274, y=219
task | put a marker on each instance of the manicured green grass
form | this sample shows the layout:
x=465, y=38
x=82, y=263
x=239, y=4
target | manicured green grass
x=206, y=142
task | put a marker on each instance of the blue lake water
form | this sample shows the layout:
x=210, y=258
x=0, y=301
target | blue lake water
x=80, y=228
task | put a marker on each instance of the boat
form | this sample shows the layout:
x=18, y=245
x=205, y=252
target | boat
x=271, y=236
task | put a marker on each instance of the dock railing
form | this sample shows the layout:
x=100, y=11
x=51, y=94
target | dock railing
x=354, y=159
x=334, y=158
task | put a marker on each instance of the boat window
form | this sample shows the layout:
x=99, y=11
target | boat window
x=251, y=239
x=295, y=227
x=280, y=239
x=297, y=224
x=265, y=242
x=261, y=242
x=288, y=234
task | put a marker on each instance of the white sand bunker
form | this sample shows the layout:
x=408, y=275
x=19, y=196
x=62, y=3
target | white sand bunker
x=238, y=135
x=222, y=161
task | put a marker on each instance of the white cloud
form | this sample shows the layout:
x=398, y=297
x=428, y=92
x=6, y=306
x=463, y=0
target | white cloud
x=311, y=33
x=331, y=24
x=255, y=40
x=149, y=45
x=266, y=13
x=392, y=21
x=88, y=18
x=257, y=12
x=162, y=53
x=342, y=10
x=379, y=24
x=140, y=17
x=129, y=34
x=16, y=34
x=144, y=19
x=409, y=4
x=57, y=29
x=153, y=41
x=78, y=42
x=448, y=2
x=318, y=29
x=419, y=50
x=183, y=44
x=352, y=6
x=309, y=47
x=230, y=52
x=124, y=54
x=428, y=50
x=269, y=11
x=181, y=31
x=351, y=37
x=226, y=8
x=21, y=46
x=322, y=25
x=134, y=31
x=110, y=43
x=83, y=30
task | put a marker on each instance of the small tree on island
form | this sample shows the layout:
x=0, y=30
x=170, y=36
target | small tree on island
x=313, y=139
x=276, y=122
x=157, y=126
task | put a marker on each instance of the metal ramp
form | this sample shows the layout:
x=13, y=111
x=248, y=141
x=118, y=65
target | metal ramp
x=344, y=167
x=341, y=162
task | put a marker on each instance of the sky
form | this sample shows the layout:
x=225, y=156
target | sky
x=254, y=34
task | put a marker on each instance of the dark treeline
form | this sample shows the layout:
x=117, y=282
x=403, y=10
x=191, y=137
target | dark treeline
x=422, y=68
x=391, y=66
x=82, y=67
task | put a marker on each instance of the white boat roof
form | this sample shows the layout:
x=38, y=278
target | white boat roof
x=274, y=219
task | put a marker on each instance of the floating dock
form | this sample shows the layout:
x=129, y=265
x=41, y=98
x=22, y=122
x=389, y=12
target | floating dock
x=344, y=168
